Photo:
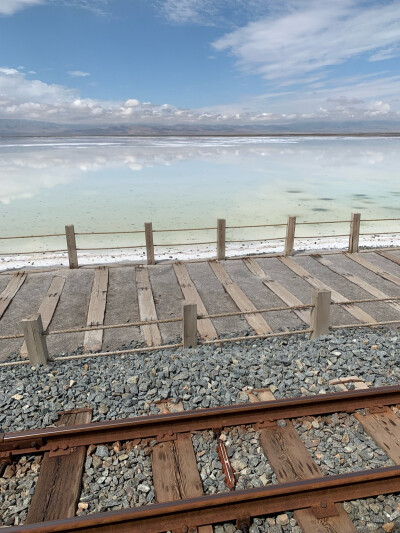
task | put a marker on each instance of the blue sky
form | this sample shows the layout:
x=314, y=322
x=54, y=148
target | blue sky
x=199, y=61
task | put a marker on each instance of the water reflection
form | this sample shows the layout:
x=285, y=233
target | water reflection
x=111, y=183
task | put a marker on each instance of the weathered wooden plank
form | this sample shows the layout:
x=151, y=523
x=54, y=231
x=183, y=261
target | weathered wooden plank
x=48, y=306
x=148, y=230
x=354, y=237
x=320, y=313
x=175, y=472
x=382, y=424
x=356, y=280
x=286, y=296
x=35, y=341
x=353, y=309
x=71, y=245
x=93, y=340
x=10, y=291
x=221, y=238
x=384, y=428
x=374, y=268
x=205, y=326
x=147, y=307
x=58, y=486
x=389, y=255
x=243, y=303
x=291, y=461
x=189, y=325
x=290, y=232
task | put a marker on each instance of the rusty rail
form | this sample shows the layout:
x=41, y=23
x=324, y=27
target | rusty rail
x=319, y=494
x=185, y=514
x=155, y=426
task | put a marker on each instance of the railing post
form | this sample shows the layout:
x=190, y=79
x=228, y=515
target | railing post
x=221, y=236
x=71, y=245
x=290, y=231
x=35, y=340
x=148, y=229
x=354, y=233
x=320, y=313
x=189, y=325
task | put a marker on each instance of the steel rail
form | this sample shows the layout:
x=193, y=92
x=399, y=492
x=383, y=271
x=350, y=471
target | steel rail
x=160, y=425
x=213, y=509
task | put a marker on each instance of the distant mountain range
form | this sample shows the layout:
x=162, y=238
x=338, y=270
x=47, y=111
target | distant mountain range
x=22, y=128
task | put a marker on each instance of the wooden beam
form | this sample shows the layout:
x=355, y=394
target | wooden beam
x=148, y=230
x=147, y=308
x=189, y=325
x=375, y=269
x=10, y=291
x=175, y=472
x=71, y=245
x=205, y=326
x=221, y=239
x=390, y=256
x=320, y=313
x=290, y=231
x=381, y=424
x=93, y=340
x=354, y=237
x=291, y=461
x=242, y=302
x=287, y=297
x=35, y=341
x=356, y=280
x=47, y=307
x=338, y=298
x=59, y=484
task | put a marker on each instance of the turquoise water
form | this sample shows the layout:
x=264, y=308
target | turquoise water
x=110, y=184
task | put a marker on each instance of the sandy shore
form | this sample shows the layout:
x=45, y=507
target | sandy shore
x=191, y=252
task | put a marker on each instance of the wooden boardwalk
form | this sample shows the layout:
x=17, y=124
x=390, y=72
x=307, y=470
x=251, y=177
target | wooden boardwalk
x=121, y=294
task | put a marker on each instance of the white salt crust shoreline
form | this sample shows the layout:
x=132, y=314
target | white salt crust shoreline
x=193, y=252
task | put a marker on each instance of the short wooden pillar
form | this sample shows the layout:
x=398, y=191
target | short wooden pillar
x=36, y=345
x=354, y=233
x=71, y=245
x=320, y=313
x=148, y=230
x=290, y=231
x=221, y=239
x=189, y=325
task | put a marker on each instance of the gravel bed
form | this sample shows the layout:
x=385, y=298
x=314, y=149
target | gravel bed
x=16, y=489
x=116, y=477
x=247, y=458
x=208, y=463
x=212, y=375
x=121, y=386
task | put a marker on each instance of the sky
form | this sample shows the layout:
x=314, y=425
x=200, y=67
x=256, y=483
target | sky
x=199, y=61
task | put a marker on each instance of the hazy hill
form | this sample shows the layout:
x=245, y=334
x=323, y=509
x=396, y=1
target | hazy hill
x=12, y=127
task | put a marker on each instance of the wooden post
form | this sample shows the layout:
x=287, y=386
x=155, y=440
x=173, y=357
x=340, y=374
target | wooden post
x=221, y=234
x=290, y=230
x=35, y=340
x=71, y=245
x=354, y=233
x=189, y=325
x=148, y=229
x=320, y=313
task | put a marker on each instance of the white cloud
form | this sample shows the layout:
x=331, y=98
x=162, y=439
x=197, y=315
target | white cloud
x=313, y=35
x=9, y=7
x=78, y=74
x=356, y=97
x=214, y=12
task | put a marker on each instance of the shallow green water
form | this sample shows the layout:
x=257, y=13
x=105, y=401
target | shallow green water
x=108, y=184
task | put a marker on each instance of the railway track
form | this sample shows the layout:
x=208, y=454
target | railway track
x=181, y=505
